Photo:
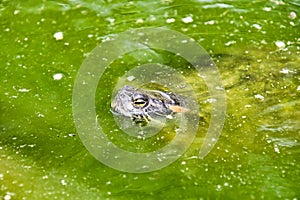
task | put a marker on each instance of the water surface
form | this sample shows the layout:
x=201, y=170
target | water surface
x=256, y=46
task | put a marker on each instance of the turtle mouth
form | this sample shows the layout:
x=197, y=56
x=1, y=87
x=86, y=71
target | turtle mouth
x=141, y=120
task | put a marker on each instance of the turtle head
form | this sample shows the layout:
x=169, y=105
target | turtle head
x=143, y=105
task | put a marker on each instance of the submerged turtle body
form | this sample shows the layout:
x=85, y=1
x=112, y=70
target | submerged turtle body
x=143, y=105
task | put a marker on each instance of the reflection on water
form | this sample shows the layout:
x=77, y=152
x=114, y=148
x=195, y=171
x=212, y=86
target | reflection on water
x=256, y=47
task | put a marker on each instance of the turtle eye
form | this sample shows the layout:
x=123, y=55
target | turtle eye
x=140, y=101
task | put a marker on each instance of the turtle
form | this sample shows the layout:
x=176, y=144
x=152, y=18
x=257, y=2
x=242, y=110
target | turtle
x=143, y=105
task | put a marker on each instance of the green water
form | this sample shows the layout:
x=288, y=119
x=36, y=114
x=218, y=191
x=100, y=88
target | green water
x=256, y=46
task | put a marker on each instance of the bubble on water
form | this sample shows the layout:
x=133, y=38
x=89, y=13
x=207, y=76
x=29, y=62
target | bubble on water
x=292, y=24
x=276, y=149
x=188, y=19
x=40, y=115
x=63, y=182
x=105, y=38
x=130, y=78
x=58, y=35
x=257, y=26
x=8, y=195
x=280, y=44
x=259, y=96
x=57, y=76
x=210, y=100
x=219, y=188
x=229, y=43
x=111, y=20
x=211, y=22
x=284, y=71
x=16, y=12
x=170, y=20
x=267, y=9
x=139, y=21
x=23, y=90
x=184, y=41
x=293, y=15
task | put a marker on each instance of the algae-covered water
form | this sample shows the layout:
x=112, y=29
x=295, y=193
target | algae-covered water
x=254, y=44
